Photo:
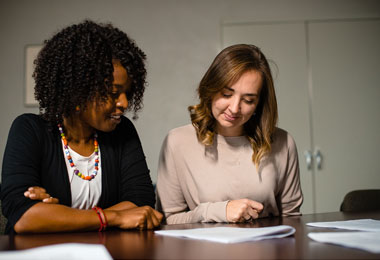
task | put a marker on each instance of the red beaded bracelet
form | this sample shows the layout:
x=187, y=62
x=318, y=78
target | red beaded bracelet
x=102, y=218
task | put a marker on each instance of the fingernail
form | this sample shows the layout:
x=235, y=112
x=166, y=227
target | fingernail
x=45, y=200
x=26, y=193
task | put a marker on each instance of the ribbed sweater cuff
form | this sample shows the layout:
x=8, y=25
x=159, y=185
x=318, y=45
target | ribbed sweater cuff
x=216, y=212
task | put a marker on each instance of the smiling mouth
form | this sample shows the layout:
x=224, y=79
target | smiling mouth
x=115, y=117
x=230, y=118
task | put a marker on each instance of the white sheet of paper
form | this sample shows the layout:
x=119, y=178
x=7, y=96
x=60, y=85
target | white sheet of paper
x=358, y=224
x=231, y=234
x=65, y=251
x=369, y=241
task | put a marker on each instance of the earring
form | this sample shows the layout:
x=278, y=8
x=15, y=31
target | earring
x=77, y=108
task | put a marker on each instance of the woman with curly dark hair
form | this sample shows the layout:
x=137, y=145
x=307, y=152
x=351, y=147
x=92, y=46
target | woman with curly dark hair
x=232, y=164
x=79, y=165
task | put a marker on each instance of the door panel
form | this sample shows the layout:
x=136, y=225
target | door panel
x=345, y=63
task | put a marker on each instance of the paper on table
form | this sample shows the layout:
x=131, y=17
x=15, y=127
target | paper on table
x=358, y=224
x=61, y=251
x=369, y=241
x=230, y=234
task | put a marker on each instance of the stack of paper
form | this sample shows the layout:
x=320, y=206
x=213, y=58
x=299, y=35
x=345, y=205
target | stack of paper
x=369, y=240
x=61, y=251
x=357, y=224
x=230, y=234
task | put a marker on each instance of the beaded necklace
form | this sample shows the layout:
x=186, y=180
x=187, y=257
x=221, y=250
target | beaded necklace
x=68, y=156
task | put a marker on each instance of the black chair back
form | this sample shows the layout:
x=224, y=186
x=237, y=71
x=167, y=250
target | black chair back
x=361, y=200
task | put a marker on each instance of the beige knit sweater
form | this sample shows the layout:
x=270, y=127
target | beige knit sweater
x=195, y=182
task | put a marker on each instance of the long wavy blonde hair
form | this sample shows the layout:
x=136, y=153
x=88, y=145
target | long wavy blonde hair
x=225, y=70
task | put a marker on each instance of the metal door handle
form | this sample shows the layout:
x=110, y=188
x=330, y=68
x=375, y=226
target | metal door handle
x=309, y=159
x=318, y=158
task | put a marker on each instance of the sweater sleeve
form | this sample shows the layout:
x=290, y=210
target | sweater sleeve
x=291, y=195
x=21, y=168
x=136, y=184
x=171, y=198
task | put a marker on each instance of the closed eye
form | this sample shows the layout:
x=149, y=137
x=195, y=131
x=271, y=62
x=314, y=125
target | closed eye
x=249, y=101
x=114, y=94
x=227, y=92
x=226, y=95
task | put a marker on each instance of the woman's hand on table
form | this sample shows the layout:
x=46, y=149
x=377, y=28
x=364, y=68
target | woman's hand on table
x=123, y=206
x=243, y=210
x=143, y=217
x=39, y=193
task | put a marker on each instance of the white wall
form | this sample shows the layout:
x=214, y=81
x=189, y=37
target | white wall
x=180, y=39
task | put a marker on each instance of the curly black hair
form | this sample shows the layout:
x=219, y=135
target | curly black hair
x=75, y=66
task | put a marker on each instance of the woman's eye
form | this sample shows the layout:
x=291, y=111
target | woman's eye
x=114, y=95
x=249, y=101
x=226, y=95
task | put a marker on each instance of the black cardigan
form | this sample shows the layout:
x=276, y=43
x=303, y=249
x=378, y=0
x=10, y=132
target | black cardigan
x=33, y=157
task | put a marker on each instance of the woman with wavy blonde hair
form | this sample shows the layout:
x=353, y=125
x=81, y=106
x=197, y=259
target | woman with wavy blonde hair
x=232, y=164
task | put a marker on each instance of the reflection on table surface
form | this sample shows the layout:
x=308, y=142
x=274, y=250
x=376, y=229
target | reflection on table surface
x=134, y=244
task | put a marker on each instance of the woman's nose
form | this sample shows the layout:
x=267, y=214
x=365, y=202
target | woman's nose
x=234, y=106
x=122, y=101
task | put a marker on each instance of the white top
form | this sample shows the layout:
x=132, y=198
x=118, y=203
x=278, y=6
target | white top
x=84, y=194
x=195, y=182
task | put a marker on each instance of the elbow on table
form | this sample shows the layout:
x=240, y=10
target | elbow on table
x=27, y=224
x=20, y=227
x=23, y=226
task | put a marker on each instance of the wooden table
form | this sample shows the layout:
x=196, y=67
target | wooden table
x=146, y=245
